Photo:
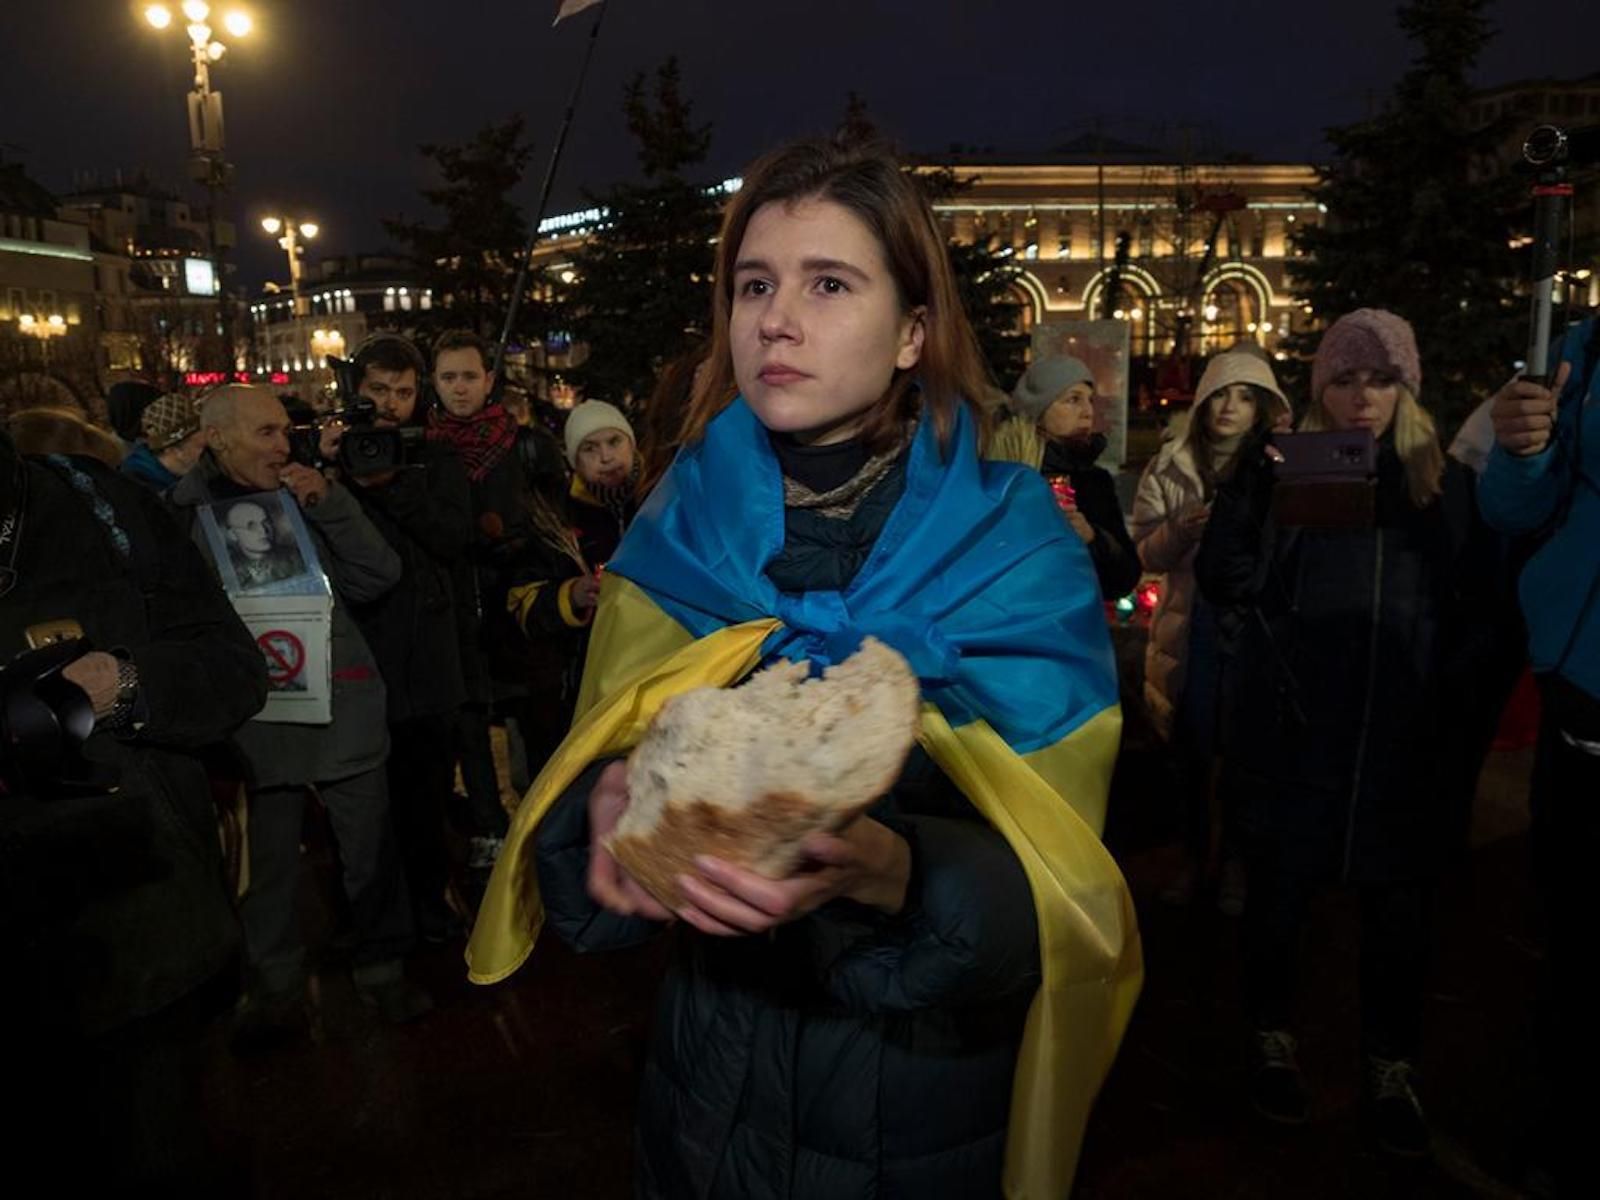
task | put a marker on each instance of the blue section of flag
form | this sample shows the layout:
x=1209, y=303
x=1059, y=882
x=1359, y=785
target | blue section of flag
x=975, y=578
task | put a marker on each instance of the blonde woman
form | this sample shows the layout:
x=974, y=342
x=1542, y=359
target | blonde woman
x=1351, y=650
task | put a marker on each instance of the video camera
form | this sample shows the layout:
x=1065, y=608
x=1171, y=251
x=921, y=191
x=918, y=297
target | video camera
x=366, y=448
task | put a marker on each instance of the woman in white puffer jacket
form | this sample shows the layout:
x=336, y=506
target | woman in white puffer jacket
x=1237, y=396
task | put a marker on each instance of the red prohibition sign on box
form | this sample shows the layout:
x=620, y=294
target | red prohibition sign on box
x=285, y=653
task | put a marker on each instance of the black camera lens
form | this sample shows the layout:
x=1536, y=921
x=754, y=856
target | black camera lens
x=1545, y=145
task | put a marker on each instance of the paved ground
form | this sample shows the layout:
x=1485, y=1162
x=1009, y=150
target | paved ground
x=526, y=1089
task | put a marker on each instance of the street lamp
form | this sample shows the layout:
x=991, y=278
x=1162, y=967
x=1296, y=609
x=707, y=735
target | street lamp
x=45, y=331
x=295, y=234
x=208, y=164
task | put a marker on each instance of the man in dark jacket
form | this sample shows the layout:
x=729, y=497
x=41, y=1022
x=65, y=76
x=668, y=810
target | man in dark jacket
x=116, y=926
x=424, y=511
x=248, y=453
x=483, y=435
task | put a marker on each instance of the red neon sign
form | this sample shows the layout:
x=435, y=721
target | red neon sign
x=217, y=378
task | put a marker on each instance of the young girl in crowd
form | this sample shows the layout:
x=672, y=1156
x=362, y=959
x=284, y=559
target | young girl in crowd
x=929, y=1005
x=1237, y=397
x=575, y=533
x=1053, y=432
x=1356, y=648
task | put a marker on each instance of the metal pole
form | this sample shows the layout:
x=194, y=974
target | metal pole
x=215, y=178
x=1549, y=194
x=544, y=195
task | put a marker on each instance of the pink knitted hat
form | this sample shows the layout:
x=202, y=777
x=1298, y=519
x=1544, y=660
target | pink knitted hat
x=1369, y=338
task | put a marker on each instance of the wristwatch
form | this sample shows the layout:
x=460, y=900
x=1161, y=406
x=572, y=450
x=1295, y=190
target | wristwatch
x=127, y=695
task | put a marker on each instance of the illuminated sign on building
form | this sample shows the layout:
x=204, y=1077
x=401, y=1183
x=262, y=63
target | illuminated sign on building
x=201, y=379
x=199, y=277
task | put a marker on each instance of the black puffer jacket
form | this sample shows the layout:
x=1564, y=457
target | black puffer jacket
x=113, y=906
x=849, y=1054
x=425, y=514
x=1353, y=655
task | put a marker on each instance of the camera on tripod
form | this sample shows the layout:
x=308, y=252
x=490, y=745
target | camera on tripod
x=366, y=448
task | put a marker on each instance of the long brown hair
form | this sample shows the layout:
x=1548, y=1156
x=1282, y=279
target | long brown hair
x=660, y=423
x=1201, y=440
x=866, y=179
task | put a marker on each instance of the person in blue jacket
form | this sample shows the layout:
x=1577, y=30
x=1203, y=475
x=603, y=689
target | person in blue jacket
x=1543, y=480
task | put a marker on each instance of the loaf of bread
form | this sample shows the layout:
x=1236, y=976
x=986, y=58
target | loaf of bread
x=747, y=773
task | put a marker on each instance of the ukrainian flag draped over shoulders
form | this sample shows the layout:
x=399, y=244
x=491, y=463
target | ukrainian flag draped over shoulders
x=993, y=600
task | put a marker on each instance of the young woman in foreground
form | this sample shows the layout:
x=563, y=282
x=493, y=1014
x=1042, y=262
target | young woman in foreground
x=928, y=1006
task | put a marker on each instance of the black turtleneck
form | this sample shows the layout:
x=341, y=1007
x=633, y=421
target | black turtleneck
x=820, y=468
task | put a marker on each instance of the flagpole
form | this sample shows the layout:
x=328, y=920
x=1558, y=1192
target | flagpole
x=544, y=193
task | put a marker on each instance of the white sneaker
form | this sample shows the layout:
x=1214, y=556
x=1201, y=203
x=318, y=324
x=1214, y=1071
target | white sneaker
x=483, y=852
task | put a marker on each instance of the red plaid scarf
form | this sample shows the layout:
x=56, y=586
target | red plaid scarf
x=480, y=441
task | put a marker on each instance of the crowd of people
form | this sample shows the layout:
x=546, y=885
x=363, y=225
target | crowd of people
x=212, y=618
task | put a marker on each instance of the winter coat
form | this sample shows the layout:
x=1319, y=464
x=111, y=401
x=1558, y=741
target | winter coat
x=113, y=906
x=425, y=514
x=1169, y=488
x=503, y=541
x=1560, y=586
x=361, y=567
x=539, y=598
x=1353, y=655
x=1116, y=562
x=848, y=1054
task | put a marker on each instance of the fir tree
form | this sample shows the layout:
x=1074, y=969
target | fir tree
x=641, y=293
x=470, y=258
x=1419, y=218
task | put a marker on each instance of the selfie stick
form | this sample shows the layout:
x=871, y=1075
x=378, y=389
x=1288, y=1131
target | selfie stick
x=1546, y=149
x=544, y=196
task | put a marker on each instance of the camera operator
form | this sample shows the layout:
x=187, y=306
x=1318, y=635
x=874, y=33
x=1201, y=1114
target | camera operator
x=424, y=511
x=247, y=431
x=1543, y=480
x=117, y=929
x=1353, y=647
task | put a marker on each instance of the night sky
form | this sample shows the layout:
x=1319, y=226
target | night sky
x=328, y=99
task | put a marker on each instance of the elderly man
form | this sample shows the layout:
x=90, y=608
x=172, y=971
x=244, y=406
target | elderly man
x=247, y=453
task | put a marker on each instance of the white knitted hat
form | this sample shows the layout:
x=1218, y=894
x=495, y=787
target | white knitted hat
x=590, y=417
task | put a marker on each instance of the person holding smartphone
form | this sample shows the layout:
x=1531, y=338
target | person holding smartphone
x=1350, y=650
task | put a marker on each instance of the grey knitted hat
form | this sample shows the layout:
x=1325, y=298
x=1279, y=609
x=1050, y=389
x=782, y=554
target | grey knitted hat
x=1044, y=381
